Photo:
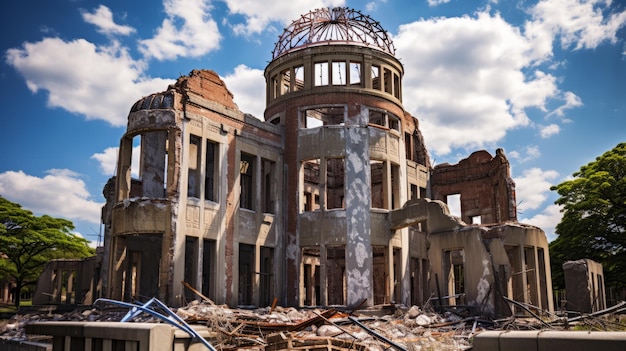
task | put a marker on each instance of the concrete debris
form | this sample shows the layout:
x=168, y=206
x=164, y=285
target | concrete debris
x=278, y=328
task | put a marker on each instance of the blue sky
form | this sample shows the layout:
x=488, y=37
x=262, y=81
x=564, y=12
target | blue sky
x=544, y=80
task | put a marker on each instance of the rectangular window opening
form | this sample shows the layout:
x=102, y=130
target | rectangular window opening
x=339, y=73
x=193, y=169
x=335, y=183
x=355, y=74
x=246, y=169
x=321, y=74
x=210, y=172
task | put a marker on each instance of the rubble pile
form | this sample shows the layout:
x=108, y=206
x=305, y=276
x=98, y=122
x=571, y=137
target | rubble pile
x=374, y=329
x=280, y=328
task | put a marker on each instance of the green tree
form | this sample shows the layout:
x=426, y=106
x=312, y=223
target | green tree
x=28, y=242
x=594, y=218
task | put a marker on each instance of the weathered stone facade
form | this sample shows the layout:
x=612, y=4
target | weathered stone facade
x=326, y=202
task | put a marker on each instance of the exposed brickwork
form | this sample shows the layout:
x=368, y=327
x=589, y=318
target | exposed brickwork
x=207, y=84
x=484, y=183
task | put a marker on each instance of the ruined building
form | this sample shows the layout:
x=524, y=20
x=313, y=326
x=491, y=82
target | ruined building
x=328, y=199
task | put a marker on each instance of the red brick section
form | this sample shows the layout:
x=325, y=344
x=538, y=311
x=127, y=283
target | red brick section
x=209, y=85
x=484, y=183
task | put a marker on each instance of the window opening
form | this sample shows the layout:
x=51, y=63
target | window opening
x=396, y=86
x=193, y=169
x=388, y=81
x=311, y=186
x=268, y=190
x=335, y=181
x=311, y=276
x=375, y=77
x=208, y=266
x=476, y=219
x=246, y=169
x=454, y=204
x=321, y=74
x=266, y=285
x=317, y=117
x=339, y=73
x=377, y=118
x=246, y=273
x=191, y=268
x=335, y=273
x=393, y=122
x=355, y=74
x=299, y=75
x=377, y=178
x=285, y=81
x=210, y=172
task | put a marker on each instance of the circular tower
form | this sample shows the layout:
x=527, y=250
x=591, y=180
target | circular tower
x=335, y=86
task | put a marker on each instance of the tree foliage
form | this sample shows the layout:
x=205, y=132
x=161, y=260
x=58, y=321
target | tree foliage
x=28, y=242
x=594, y=218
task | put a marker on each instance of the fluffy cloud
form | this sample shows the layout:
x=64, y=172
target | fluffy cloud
x=549, y=130
x=579, y=24
x=533, y=187
x=97, y=82
x=102, y=18
x=60, y=193
x=245, y=83
x=108, y=160
x=259, y=14
x=471, y=79
x=466, y=82
x=197, y=36
x=546, y=220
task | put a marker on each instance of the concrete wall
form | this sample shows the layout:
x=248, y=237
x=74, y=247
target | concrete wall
x=584, y=286
x=547, y=340
x=194, y=218
x=507, y=260
x=68, y=282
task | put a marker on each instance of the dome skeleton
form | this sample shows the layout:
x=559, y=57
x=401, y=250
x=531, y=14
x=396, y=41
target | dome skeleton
x=326, y=25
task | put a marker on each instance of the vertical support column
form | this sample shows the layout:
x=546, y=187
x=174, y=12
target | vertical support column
x=122, y=190
x=524, y=273
x=358, y=203
x=323, y=298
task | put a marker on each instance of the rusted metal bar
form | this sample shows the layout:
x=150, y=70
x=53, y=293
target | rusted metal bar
x=171, y=317
x=611, y=309
x=376, y=335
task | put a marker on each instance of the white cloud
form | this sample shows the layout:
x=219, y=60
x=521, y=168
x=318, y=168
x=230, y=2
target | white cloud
x=579, y=23
x=80, y=77
x=108, y=160
x=197, y=36
x=248, y=87
x=433, y=3
x=546, y=220
x=61, y=193
x=533, y=187
x=373, y=5
x=259, y=14
x=530, y=152
x=571, y=101
x=550, y=130
x=102, y=18
x=466, y=82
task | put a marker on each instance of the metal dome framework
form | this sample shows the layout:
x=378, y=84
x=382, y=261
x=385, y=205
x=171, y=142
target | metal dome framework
x=336, y=25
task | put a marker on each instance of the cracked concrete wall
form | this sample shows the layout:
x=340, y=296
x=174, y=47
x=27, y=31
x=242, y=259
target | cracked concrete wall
x=200, y=105
x=490, y=270
x=358, y=197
